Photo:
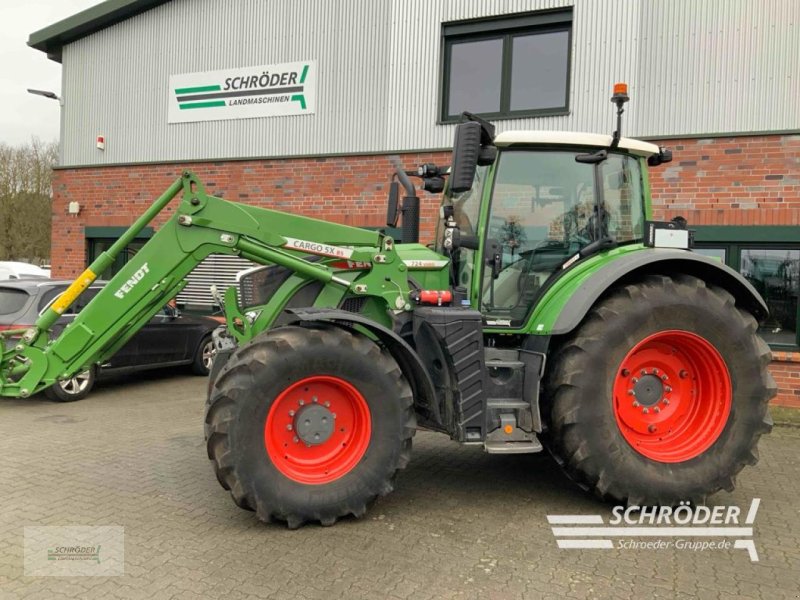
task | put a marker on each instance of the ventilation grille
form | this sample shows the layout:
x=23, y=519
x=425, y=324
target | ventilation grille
x=217, y=269
x=354, y=304
x=258, y=286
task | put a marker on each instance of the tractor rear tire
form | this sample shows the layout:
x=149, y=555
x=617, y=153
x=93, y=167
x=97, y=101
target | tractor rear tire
x=661, y=394
x=309, y=424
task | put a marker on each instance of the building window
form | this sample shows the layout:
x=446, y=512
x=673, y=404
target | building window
x=769, y=258
x=100, y=239
x=507, y=67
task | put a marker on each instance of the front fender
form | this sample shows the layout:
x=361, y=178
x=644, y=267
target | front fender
x=405, y=356
x=567, y=301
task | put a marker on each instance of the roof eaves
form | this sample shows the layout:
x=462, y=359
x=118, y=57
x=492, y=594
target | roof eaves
x=54, y=37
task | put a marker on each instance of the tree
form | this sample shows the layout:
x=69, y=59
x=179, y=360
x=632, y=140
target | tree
x=25, y=200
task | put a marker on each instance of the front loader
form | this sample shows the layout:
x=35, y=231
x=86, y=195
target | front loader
x=551, y=312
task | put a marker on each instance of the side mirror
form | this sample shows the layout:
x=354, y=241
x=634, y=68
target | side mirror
x=664, y=156
x=466, y=150
x=392, y=213
x=487, y=156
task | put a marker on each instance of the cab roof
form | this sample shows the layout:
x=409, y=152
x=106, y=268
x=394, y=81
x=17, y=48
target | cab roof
x=571, y=138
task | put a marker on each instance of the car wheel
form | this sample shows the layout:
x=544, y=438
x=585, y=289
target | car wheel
x=204, y=357
x=74, y=388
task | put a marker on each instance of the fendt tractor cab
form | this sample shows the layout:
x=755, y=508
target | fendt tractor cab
x=551, y=311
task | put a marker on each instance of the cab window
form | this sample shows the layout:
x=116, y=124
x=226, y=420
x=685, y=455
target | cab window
x=545, y=208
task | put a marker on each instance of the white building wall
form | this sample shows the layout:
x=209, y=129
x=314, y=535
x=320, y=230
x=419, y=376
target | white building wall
x=694, y=67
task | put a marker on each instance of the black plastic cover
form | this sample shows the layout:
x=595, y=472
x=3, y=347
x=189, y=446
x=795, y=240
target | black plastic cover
x=466, y=150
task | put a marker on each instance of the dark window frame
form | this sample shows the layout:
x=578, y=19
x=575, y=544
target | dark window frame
x=505, y=27
x=735, y=238
x=95, y=235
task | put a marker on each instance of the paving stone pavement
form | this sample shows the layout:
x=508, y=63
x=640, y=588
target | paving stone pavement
x=460, y=524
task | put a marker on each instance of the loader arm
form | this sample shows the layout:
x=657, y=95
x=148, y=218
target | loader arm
x=202, y=225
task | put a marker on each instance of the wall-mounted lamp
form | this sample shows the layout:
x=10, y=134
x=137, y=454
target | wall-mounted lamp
x=47, y=94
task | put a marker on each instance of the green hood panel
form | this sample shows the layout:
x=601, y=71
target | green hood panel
x=428, y=268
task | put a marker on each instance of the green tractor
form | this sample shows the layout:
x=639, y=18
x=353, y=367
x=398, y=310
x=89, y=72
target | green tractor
x=551, y=312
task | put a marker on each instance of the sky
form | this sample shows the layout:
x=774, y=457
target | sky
x=22, y=115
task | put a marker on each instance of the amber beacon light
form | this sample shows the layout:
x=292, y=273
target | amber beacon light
x=619, y=98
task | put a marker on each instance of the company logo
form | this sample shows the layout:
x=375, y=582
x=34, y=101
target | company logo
x=74, y=551
x=90, y=553
x=245, y=92
x=126, y=287
x=684, y=528
x=248, y=88
x=351, y=265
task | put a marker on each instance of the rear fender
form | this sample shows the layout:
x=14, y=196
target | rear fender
x=632, y=265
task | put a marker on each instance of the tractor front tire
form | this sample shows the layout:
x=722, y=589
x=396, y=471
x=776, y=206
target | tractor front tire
x=660, y=395
x=309, y=424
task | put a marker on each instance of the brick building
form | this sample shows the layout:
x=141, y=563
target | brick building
x=717, y=81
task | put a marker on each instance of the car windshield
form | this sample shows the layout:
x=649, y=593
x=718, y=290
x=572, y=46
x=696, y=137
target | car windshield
x=12, y=300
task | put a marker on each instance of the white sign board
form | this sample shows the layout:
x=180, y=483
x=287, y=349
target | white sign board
x=244, y=92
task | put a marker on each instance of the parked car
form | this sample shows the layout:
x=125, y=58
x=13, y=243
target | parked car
x=169, y=339
x=10, y=269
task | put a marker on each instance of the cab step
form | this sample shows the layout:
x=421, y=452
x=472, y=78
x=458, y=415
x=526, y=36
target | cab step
x=504, y=364
x=524, y=447
x=507, y=403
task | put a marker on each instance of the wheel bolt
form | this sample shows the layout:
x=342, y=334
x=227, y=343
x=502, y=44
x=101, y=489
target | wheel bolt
x=644, y=372
x=301, y=402
x=295, y=439
x=668, y=389
x=645, y=410
x=327, y=404
x=631, y=393
x=291, y=413
x=663, y=378
x=666, y=401
x=635, y=380
x=651, y=428
x=308, y=445
x=636, y=404
x=656, y=410
x=289, y=427
x=314, y=399
x=334, y=415
x=655, y=371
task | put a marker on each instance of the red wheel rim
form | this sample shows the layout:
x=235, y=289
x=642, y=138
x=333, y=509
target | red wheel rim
x=672, y=396
x=317, y=429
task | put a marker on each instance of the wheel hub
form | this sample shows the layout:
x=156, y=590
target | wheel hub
x=672, y=396
x=648, y=390
x=317, y=429
x=314, y=424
